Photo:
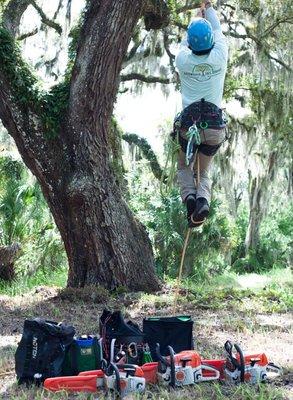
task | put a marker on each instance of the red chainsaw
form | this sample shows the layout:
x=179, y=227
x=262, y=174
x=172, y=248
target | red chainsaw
x=238, y=367
x=184, y=368
x=122, y=379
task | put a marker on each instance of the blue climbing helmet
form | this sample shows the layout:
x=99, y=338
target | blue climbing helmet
x=200, y=36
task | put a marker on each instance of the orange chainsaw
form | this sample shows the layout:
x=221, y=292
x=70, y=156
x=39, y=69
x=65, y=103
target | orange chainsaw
x=238, y=367
x=184, y=368
x=122, y=379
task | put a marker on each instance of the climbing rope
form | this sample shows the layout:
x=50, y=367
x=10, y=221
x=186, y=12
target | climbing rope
x=186, y=241
x=178, y=283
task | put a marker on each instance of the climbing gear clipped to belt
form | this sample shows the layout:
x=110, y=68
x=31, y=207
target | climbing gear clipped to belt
x=194, y=141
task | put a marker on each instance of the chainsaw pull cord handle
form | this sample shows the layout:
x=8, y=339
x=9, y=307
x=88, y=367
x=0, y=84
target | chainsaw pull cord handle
x=130, y=369
x=172, y=366
x=274, y=368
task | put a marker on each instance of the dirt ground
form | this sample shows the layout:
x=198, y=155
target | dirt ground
x=269, y=333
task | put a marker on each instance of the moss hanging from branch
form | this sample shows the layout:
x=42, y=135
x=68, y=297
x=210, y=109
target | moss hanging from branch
x=147, y=152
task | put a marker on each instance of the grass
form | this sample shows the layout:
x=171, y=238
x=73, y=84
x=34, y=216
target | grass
x=199, y=392
x=250, y=309
x=24, y=284
x=268, y=293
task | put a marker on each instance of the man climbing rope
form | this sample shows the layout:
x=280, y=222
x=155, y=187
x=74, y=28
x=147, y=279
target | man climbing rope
x=200, y=128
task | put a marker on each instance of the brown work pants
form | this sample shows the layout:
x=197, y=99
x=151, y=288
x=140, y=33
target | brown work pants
x=187, y=175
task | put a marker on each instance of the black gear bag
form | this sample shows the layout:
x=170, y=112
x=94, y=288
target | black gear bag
x=128, y=336
x=168, y=331
x=41, y=351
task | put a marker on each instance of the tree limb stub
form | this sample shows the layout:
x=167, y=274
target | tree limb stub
x=26, y=35
x=156, y=14
x=8, y=255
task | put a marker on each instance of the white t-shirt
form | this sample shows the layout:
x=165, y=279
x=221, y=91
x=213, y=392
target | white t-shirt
x=204, y=76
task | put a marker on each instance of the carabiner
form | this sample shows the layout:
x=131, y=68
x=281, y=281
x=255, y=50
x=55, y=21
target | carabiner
x=203, y=125
x=132, y=349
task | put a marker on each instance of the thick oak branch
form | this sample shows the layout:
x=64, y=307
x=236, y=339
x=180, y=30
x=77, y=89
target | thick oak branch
x=143, y=78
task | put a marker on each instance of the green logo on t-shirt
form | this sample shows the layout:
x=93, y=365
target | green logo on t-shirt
x=204, y=72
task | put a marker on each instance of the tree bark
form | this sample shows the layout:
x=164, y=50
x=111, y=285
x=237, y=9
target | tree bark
x=8, y=255
x=104, y=243
x=258, y=203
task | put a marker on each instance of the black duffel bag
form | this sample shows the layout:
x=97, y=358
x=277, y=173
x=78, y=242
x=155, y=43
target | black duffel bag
x=41, y=351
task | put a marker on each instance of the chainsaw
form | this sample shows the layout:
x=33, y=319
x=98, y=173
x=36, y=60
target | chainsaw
x=184, y=368
x=239, y=368
x=122, y=379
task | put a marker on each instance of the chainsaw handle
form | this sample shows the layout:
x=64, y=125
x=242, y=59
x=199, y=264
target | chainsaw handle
x=229, y=350
x=242, y=362
x=274, y=368
x=239, y=365
x=172, y=366
x=112, y=368
x=130, y=369
x=163, y=359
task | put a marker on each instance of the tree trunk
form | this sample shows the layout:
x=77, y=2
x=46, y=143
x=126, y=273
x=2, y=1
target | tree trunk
x=8, y=255
x=104, y=243
x=258, y=203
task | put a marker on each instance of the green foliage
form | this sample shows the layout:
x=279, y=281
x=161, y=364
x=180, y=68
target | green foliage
x=74, y=36
x=275, y=247
x=49, y=105
x=165, y=219
x=25, y=283
x=17, y=71
x=25, y=218
x=54, y=105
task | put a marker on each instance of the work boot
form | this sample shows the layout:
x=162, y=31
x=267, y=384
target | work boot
x=190, y=205
x=200, y=213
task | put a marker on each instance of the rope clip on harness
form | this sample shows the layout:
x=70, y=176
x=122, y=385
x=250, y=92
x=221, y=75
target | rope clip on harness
x=193, y=137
